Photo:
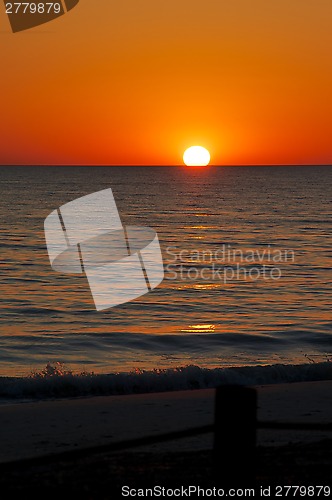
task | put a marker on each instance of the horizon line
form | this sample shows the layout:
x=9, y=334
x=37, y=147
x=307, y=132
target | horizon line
x=167, y=166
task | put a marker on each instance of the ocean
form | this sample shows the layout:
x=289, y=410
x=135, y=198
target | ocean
x=247, y=259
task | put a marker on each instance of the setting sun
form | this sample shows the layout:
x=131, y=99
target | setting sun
x=196, y=156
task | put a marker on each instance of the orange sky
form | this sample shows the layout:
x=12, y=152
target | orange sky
x=138, y=81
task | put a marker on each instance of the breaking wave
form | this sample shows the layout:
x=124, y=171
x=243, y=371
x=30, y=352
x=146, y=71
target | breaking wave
x=54, y=382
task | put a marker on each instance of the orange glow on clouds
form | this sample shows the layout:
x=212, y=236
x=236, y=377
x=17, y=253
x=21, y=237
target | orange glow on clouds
x=137, y=82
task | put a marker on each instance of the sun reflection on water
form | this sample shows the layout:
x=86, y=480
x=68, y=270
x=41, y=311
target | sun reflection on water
x=206, y=328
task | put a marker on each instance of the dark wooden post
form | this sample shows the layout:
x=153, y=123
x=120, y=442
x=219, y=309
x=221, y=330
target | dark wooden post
x=235, y=436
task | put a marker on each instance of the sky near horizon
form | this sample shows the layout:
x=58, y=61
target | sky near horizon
x=137, y=82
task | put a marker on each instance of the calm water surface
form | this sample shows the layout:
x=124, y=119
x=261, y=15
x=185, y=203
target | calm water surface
x=194, y=316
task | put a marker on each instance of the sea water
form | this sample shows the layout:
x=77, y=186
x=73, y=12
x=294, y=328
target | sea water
x=247, y=258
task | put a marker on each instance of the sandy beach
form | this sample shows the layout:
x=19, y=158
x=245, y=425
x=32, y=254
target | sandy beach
x=37, y=436
x=45, y=427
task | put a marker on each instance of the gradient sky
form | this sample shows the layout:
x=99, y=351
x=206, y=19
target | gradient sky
x=139, y=81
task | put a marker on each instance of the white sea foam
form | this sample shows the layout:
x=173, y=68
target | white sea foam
x=59, y=385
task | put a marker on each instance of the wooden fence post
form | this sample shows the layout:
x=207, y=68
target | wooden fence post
x=235, y=436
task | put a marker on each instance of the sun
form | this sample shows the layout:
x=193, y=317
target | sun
x=196, y=156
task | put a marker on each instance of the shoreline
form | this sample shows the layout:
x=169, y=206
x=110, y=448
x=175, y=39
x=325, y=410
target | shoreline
x=39, y=428
x=54, y=381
